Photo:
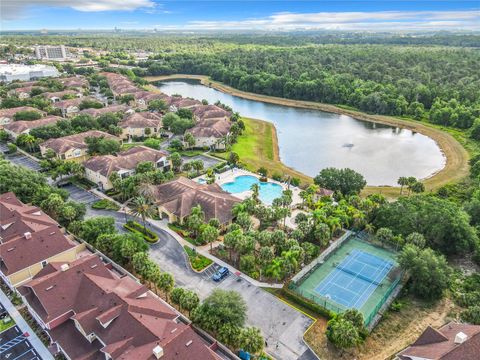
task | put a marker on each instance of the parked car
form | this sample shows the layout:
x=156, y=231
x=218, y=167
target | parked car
x=220, y=274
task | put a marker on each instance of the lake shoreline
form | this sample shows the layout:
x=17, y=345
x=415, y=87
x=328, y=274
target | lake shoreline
x=456, y=165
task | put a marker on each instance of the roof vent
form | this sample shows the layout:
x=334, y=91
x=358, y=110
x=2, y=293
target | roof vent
x=64, y=267
x=460, y=338
x=52, y=233
x=189, y=343
x=158, y=351
x=28, y=235
x=49, y=288
x=171, y=332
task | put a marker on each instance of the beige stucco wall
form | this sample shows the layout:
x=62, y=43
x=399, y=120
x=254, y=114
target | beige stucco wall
x=138, y=132
x=26, y=274
x=201, y=142
x=97, y=178
x=78, y=155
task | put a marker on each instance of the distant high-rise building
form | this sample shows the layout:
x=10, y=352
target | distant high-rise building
x=50, y=52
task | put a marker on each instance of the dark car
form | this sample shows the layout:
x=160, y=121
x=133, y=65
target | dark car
x=220, y=274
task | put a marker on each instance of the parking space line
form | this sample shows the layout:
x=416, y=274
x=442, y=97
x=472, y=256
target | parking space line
x=26, y=352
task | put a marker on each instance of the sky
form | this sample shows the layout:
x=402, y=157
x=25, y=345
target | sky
x=393, y=15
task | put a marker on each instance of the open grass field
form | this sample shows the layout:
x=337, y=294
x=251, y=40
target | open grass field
x=258, y=147
x=457, y=156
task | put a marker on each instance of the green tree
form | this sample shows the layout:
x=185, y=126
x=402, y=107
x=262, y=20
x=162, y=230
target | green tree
x=402, y=181
x=27, y=115
x=189, y=140
x=142, y=208
x=251, y=340
x=158, y=105
x=195, y=220
x=219, y=308
x=430, y=273
x=346, y=181
x=342, y=333
x=176, y=295
x=229, y=334
x=176, y=160
x=209, y=235
x=444, y=224
x=233, y=158
x=189, y=301
x=166, y=283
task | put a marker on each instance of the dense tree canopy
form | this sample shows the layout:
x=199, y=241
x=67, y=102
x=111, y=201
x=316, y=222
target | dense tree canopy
x=443, y=223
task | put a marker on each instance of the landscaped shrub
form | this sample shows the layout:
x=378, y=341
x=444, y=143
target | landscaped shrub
x=12, y=148
x=198, y=262
x=147, y=234
x=310, y=305
x=105, y=204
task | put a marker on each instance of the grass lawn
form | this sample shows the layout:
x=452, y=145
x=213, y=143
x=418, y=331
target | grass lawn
x=6, y=325
x=258, y=147
x=198, y=262
x=105, y=205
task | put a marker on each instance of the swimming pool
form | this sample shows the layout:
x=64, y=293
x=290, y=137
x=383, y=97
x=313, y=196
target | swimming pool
x=268, y=190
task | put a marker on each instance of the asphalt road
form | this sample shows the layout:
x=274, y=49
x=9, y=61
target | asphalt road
x=282, y=326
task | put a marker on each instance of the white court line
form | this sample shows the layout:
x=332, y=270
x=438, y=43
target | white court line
x=383, y=277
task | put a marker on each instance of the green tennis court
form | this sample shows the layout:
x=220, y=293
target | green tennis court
x=356, y=275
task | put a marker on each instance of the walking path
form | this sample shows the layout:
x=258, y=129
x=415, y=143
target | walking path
x=23, y=325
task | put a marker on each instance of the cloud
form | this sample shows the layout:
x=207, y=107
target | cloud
x=14, y=9
x=370, y=21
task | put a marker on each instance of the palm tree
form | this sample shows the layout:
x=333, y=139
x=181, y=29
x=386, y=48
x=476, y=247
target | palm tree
x=274, y=269
x=166, y=283
x=255, y=192
x=141, y=208
x=146, y=190
x=402, y=181
x=29, y=141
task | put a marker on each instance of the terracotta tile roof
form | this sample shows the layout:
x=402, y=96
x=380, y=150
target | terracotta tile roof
x=125, y=160
x=70, y=102
x=76, y=141
x=28, y=235
x=12, y=111
x=440, y=344
x=185, y=103
x=105, y=110
x=20, y=126
x=141, y=120
x=128, y=319
x=74, y=81
x=181, y=195
x=59, y=94
x=210, y=112
x=17, y=218
x=217, y=128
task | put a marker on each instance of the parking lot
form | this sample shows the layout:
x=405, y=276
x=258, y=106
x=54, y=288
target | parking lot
x=80, y=195
x=282, y=326
x=20, y=159
x=14, y=345
x=208, y=161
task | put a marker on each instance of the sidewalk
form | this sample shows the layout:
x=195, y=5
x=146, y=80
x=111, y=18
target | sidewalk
x=205, y=253
x=22, y=324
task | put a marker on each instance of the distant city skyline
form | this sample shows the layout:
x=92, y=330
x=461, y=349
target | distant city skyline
x=240, y=15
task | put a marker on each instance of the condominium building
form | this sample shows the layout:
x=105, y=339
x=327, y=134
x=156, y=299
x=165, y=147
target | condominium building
x=50, y=52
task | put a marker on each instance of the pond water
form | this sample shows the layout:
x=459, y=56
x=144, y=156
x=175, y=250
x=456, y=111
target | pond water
x=311, y=140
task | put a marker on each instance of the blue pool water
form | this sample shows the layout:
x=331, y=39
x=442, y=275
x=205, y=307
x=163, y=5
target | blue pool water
x=268, y=190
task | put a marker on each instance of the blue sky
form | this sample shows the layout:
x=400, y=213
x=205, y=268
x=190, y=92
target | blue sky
x=241, y=15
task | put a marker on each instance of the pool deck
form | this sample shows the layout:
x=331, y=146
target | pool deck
x=230, y=175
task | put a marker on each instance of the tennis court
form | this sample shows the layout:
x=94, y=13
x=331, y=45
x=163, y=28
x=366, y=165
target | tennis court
x=353, y=280
x=356, y=275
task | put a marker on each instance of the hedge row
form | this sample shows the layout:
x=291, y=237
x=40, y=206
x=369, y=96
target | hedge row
x=139, y=229
x=308, y=304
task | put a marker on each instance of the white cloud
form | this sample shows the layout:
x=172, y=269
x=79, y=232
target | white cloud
x=374, y=21
x=14, y=9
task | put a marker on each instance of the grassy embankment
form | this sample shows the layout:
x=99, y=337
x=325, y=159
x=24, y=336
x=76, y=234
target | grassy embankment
x=448, y=140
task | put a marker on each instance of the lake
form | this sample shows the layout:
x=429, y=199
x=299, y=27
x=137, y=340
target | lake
x=311, y=140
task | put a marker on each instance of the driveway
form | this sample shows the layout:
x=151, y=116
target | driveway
x=208, y=161
x=282, y=326
x=20, y=159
